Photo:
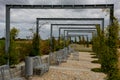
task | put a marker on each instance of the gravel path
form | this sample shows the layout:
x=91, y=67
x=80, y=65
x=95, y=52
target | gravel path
x=74, y=69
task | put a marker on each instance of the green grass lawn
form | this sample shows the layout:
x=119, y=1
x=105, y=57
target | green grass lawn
x=81, y=48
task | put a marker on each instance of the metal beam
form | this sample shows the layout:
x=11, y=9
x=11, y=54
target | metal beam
x=69, y=35
x=73, y=27
x=77, y=27
x=80, y=31
x=70, y=19
x=85, y=6
x=87, y=31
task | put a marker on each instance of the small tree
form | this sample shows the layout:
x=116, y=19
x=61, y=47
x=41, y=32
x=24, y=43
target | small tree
x=79, y=39
x=61, y=42
x=83, y=40
x=13, y=53
x=75, y=39
x=35, y=45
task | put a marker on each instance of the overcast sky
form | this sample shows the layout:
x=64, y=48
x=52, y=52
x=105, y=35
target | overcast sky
x=24, y=19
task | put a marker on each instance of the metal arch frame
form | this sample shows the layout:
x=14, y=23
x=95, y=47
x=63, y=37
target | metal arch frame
x=80, y=31
x=75, y=19
x=71, y=28
x=71, y=19
x=75, y=27
x=75, y=35
x=69, y=35
x=86, y=31
x=90, y=6
x=89, y=31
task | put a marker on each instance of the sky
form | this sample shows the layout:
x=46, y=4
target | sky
x=24, y=19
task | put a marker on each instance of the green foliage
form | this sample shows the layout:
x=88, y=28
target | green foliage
x=3, y=57
x=2, y=46
x=13, y=53
x=57, y=47
x=44, y=47
x=75, y=39
x=61, y=43
x=80, y=40
x=53, y=44
x=83, y=40
x=24, y=48
x=112, y=43
x=14, y=33
x=105, y=48
x=35, y=45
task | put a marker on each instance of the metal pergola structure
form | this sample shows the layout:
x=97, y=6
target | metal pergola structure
x=74, y=27
x=80, y=31
x=86, y=29
x=71, y=19
x=86, y=6
x=70, y=28
x=75, y=35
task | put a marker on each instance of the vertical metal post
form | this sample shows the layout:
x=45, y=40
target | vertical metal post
x=68, y=42
x=37, y=27
x=79, y=39
x=70, y=39
x=64, y=39
x=103, y=25
x=83, y=40
x=111, y=14
x=74, y=39
x=51, y=44
x=7, y=40
x=59, y=36
x=87, y=41
x=67, y=36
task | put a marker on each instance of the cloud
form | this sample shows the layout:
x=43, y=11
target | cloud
x=2, y=29
x=25, y=19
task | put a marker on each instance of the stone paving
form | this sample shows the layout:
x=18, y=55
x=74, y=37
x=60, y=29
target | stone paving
x=73, y=69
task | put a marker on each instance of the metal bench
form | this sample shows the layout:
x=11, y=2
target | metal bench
x=6, y=74
x=39, y=67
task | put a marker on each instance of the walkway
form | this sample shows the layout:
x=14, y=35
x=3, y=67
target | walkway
x=74, y=69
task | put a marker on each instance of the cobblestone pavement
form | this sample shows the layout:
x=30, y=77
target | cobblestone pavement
x=74, y=69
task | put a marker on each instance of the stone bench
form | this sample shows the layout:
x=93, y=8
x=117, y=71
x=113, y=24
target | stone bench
x=39, y=67
x=59, y=56
x=7, y=74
